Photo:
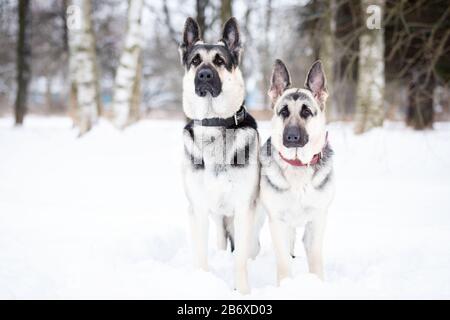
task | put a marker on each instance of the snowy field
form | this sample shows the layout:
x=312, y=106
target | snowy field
x=104, y=217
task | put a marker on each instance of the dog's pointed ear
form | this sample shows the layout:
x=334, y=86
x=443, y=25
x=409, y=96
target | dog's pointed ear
x=232, y=38
x=191, y=34
x=280, y=80
x=316, y=82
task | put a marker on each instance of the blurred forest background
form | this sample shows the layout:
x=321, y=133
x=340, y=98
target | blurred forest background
x=119, y=59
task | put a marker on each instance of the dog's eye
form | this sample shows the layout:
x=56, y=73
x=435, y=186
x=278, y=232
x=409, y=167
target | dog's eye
x=197, y=60
x=305, y=113
x=218, y=61
x=284, y=112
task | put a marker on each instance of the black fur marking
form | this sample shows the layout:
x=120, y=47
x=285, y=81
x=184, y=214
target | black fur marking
x=230, y=237
x=273, y=185
x=325, y=180
x=305, y=113
x=235, y=163
x=268, y=150
x=234, y=55
x=228, y=234
x=298, y=95
x=268, y=146
x=223, y=51
x=197, y=164
x=284, y=112
x=327, y=154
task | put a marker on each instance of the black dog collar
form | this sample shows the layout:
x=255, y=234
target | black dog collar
x=230, y=122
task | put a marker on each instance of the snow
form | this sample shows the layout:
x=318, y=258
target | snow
x=104, y=216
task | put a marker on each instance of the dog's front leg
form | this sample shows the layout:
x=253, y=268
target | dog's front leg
x=199, y=231
x=221, y=232
x=243, y=230
x=313, y=242
x=280, y=238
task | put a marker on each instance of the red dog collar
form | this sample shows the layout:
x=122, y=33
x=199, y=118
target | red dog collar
x=314, y=160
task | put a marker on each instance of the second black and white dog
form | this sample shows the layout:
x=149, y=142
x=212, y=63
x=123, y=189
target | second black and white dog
x=297, y=182
x=221, y=170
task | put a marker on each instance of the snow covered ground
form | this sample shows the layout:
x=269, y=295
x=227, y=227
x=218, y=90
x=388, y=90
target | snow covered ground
x=104, y=217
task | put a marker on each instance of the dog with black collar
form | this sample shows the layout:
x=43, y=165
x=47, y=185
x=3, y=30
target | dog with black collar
x=221, y=169
x=297, y=180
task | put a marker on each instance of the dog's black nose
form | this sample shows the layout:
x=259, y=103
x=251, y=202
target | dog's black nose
x=207, y=80
x=205, y=74
x=295, y=137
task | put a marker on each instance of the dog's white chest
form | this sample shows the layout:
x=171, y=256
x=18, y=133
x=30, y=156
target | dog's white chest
x=298, y=200
x=298, y=197
x=217, y=189
x=219, y=186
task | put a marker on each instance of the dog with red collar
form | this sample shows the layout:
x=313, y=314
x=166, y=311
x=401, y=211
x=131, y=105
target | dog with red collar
x=297, y=180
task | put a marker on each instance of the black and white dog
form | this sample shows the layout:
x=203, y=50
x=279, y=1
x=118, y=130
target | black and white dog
x=297, y=183
x=221, y=169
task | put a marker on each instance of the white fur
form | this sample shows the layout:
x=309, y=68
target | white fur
x=223, y=106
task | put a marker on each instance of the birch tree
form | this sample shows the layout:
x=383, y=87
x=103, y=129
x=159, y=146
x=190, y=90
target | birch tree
x=127, y=82
x=23, y=61
x=370, y=87
x=83, y=64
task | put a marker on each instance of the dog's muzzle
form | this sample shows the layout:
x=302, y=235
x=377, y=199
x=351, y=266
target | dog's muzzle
x=295, y=137
x=207, y=81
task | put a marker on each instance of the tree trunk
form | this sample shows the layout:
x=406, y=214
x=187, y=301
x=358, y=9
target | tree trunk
x=420, y=112
x=135, y=107
x=48, y=93
x=127, y=76
x=83, y=66
x=266, y=54
x=226, y=10
x=326, y=54
x=201, y=19
x=65, y=38
x=23, y=60
x=370, y=87
x=73, y=104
